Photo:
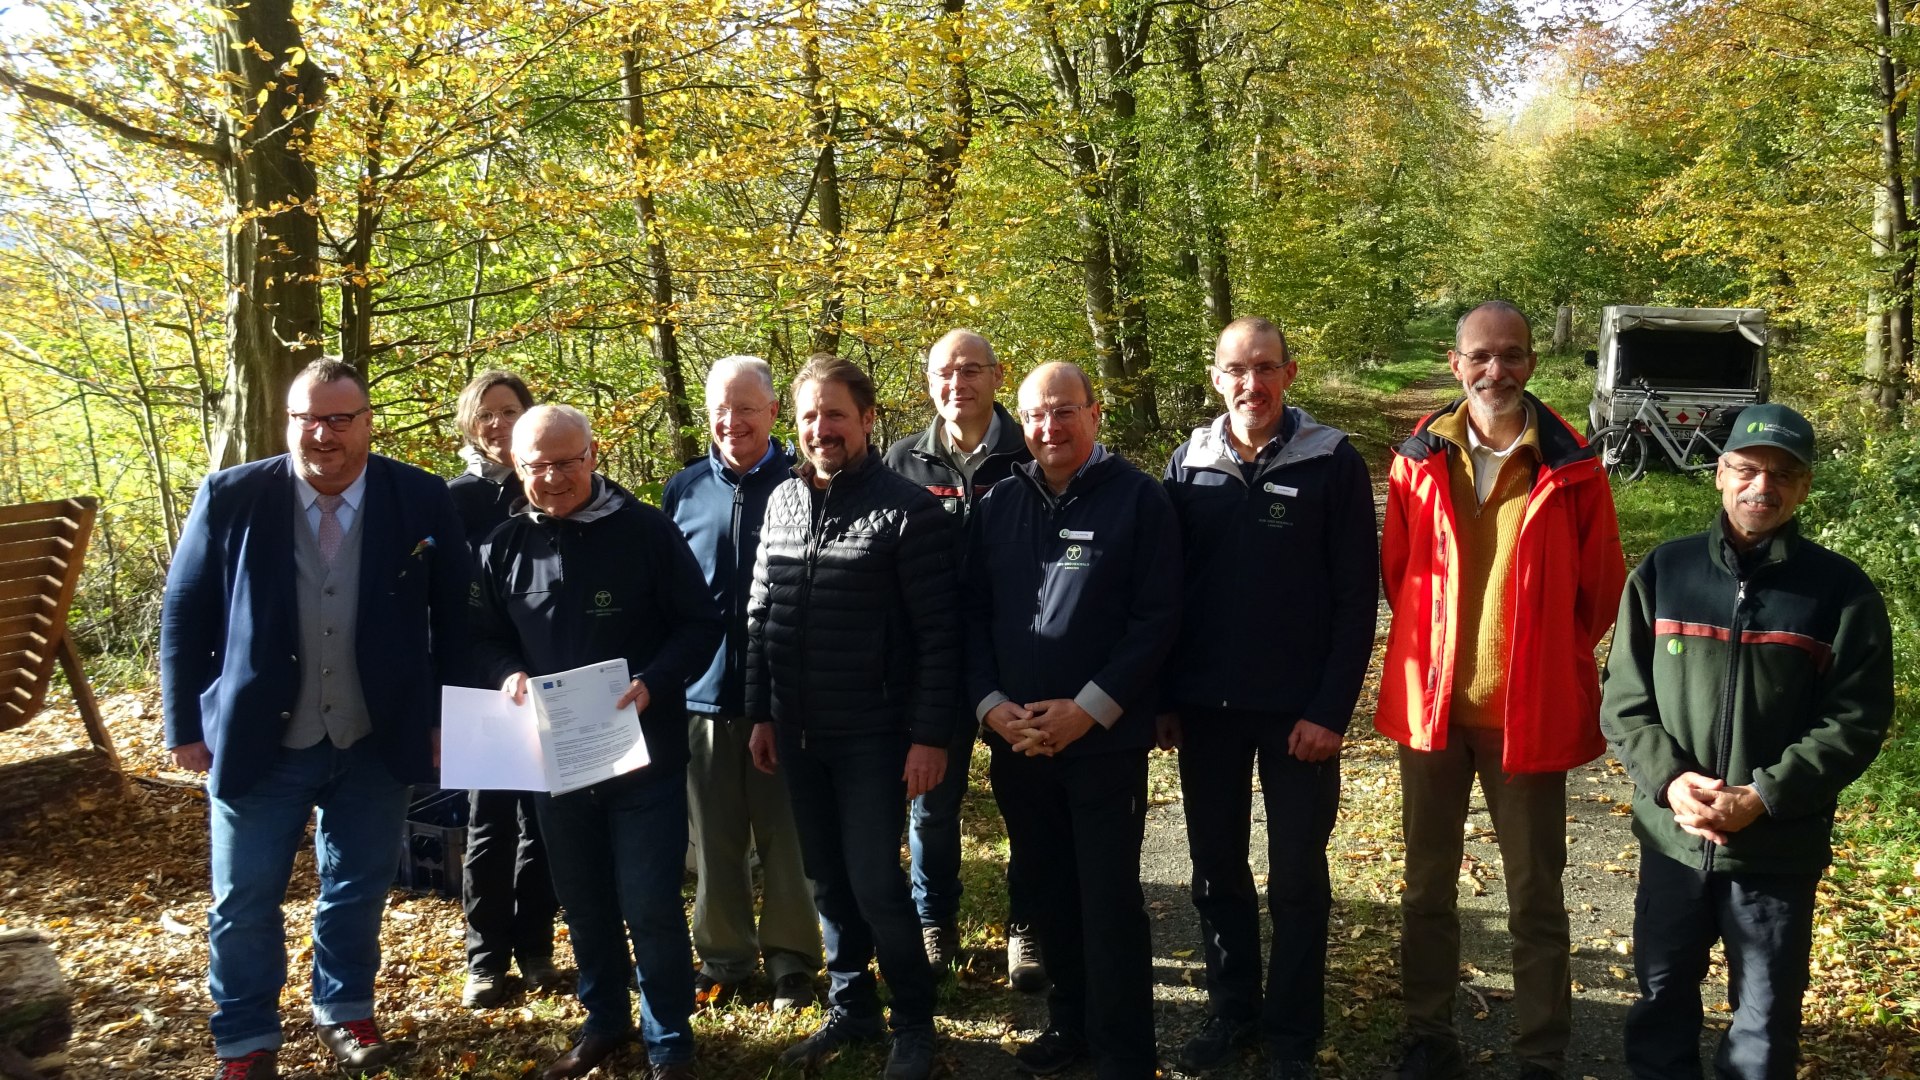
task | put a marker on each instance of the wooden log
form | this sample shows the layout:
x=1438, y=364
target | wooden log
x=36, y=1008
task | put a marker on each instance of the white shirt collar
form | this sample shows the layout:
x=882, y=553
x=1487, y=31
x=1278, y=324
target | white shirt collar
x=352, y=495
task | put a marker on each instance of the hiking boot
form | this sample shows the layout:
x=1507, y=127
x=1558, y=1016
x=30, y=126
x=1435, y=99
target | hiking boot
x=711, y=993
x=580, y=1059
x=484, y=990
x=1218, y=1040
x=259, y=1065
x=358, y=1045
x=793, y=990
x=1292, y=1070
x=540, y=974
x=942, y=941
x=1428, y=1057
x=912, y=1055
x=1025, y=971
x=840, y=1029
x=1052, y=1052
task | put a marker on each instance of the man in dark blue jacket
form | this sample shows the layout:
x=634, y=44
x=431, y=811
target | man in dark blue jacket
x=1071, y=607
x=1276, y=522
x=313, y=609
x=718, y=502
x=581, y=574
x=972, y=444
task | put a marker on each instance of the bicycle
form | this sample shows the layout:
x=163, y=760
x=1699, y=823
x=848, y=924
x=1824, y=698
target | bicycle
x=1623, y=447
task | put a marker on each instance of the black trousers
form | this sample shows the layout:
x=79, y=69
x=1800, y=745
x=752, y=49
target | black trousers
x=1078, y=824
x=505, y=884
x=1765, y=922
x=1220, y=751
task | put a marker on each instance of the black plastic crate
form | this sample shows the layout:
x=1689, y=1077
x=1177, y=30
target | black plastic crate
x=434, y=843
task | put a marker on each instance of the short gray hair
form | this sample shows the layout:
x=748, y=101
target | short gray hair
x=728, y=366
x=961, y=335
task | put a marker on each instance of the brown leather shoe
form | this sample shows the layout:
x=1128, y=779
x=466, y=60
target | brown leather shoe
x=358, y=1045
x=591, y=1050
x=259, y=1065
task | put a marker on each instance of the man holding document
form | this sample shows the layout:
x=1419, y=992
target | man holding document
x=582, y=586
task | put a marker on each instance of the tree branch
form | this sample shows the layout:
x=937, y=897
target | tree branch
x=204, y=150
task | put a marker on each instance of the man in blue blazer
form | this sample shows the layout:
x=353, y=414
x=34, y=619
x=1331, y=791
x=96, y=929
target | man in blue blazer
x=314, y=606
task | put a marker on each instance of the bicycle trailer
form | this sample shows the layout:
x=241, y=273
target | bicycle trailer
x=1702, y=364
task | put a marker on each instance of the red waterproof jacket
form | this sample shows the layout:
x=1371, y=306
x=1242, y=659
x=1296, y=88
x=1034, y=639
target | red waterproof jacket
x=1568, y=575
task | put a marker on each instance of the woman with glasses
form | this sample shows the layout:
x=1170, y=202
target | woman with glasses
x=508, y=893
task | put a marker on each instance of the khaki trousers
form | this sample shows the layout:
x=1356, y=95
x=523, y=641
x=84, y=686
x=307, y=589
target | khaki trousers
x=733, y=806
x=1530, y=817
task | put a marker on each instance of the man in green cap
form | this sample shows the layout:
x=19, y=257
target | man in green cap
x=1750, y=680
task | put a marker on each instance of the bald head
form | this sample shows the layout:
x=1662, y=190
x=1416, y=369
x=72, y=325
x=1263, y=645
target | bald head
x=1060, y=419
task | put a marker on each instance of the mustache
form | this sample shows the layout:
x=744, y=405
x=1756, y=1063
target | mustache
x=1764, y=500
x=1502, y=382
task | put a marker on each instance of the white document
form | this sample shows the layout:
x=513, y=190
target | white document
x=567, y=735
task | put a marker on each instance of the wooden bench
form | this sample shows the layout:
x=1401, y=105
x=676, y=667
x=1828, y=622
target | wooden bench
x=42, y=548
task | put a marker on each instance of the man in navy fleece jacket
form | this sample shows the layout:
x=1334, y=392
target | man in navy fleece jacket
x=1072, y=606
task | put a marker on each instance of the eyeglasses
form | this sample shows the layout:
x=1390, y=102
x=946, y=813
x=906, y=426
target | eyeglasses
x=339, y=421
x=1060, y=414
x=485, y=417
x=744, y=412
x=1508, y=358
x=548, y=468
x=965, y=372
x=1261, y=372
x=1747, y=474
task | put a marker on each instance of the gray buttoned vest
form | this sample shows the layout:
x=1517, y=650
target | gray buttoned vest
x=331, y=704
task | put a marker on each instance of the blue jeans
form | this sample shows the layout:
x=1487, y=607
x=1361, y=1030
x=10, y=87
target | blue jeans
x=934, y=839
x=362, y=813
x=850, y=805
x=617, y=851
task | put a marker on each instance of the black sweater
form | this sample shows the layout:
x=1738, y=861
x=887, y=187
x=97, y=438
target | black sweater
x=614, y=578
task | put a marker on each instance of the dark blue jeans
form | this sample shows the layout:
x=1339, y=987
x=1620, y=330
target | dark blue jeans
x=850, y=806
x=618, y=851
x=505, y=884
x=362, y=811
x=1765, y=922
x=934, y=841
x=1079, y=821
x=1302, y=799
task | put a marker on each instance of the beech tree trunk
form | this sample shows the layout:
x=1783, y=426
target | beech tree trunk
x=273, y=247
x=825, y=122
x=665, y=331
x=1897, y=345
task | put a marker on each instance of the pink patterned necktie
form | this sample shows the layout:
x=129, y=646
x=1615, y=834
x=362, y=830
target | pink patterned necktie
x=330, y=532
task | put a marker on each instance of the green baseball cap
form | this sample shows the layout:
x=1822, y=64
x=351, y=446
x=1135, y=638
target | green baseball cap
x=1773, y=425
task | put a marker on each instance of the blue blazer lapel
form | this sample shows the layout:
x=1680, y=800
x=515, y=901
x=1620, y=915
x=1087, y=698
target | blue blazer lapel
x=380, y=530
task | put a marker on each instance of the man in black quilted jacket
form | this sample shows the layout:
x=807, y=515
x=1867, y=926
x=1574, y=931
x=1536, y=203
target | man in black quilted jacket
x=853, y=664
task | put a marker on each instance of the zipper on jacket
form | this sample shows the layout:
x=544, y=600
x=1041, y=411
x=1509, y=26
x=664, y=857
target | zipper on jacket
x=735, y=662
x=1723, y=726
x=816, y=519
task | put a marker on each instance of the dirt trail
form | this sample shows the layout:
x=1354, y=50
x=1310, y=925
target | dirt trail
x=1366, y=856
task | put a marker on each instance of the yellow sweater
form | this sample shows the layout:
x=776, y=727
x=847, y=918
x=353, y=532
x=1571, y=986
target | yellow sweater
x=1486, y=533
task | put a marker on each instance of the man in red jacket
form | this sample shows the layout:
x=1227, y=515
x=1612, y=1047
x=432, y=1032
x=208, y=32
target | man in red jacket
x=1501, y=560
